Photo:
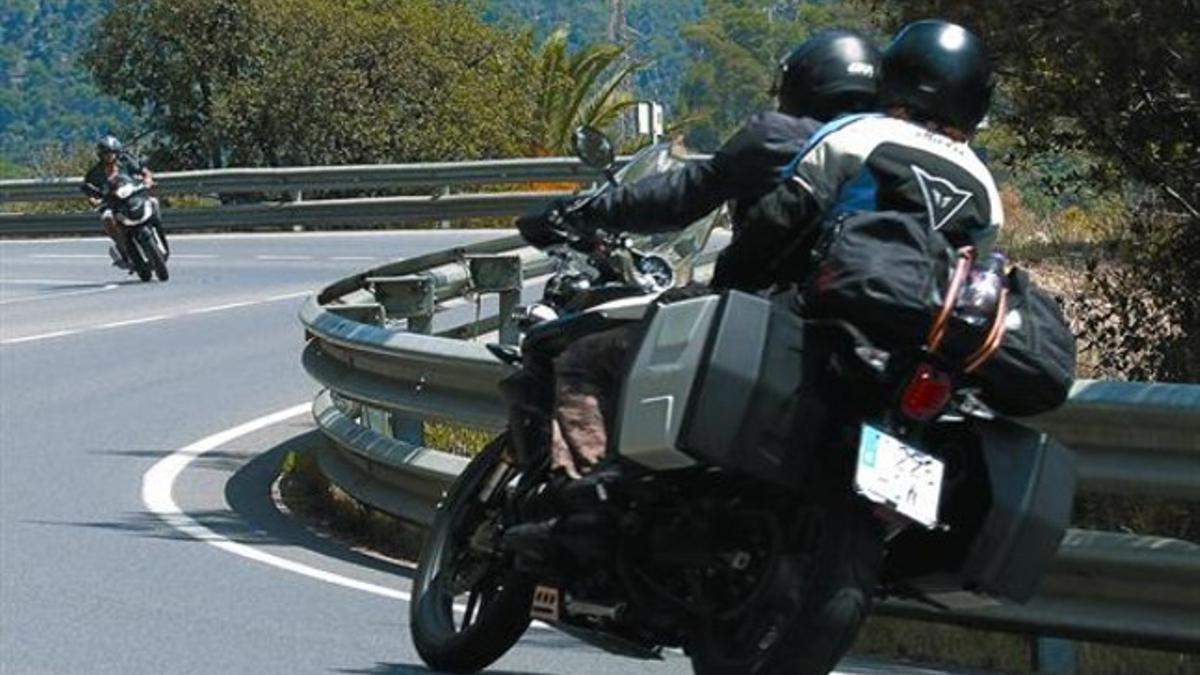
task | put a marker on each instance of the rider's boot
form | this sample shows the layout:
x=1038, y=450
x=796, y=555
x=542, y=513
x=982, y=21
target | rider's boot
x=118, y=260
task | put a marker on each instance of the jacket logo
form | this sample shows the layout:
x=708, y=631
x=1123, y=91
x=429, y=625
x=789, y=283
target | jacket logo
x=943, y=199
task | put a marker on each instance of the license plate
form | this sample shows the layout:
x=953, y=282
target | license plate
x=899, y=476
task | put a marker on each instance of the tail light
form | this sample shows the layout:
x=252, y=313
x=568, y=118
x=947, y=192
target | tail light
x=926, y=393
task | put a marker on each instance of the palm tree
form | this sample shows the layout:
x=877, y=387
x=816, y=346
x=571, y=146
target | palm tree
x=583, y=88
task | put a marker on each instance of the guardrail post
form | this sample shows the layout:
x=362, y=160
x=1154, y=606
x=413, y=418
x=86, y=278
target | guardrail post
x=410, y=298
x=444, y=224
x=1055, y=656
x=500, y=274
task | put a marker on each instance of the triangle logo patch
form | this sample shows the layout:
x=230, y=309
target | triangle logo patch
x=943, y=199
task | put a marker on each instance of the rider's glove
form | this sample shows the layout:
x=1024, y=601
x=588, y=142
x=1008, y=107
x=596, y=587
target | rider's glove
x=544, y=227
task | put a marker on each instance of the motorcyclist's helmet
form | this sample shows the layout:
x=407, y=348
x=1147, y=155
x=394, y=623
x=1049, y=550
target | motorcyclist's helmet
x=108, y=143
x=831, y=73
x=938, y=71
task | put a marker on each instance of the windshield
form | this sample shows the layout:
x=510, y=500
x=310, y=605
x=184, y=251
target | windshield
x=678, y=248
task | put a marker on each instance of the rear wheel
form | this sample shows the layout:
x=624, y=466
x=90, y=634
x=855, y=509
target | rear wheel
x=826, y=589
x=469, y=606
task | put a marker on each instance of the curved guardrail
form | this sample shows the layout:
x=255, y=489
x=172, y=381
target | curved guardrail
x=304, y=178
x=435, y=178
x=384, y=367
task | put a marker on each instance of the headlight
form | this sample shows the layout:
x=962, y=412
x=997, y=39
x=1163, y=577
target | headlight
x=657, y=269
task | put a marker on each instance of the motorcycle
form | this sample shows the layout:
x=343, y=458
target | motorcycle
x=778, y=475
x=134, y=209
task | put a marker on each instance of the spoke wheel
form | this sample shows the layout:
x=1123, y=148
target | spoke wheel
x=469, y=605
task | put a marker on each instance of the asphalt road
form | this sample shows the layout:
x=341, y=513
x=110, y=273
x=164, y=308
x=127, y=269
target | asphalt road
x=137, y=533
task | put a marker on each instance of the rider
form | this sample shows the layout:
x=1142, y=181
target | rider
x=831, y=73
x=912, y=160
x=113, y=162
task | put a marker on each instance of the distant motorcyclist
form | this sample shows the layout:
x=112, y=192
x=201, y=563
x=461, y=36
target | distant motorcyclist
x=832, y=73
x=114, y=162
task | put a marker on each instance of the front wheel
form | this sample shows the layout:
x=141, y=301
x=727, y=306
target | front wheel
x=469, y=606
x=826, y=591
x=137, y=258
x=156, y=252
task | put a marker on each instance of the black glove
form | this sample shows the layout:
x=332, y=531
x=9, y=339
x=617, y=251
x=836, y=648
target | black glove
x=543, y=227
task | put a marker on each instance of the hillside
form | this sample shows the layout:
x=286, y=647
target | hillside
x=47, y=100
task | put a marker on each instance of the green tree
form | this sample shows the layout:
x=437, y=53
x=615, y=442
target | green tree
x=736, y=47
x=1116, y=82
x=48, y=104
x=583, y=87
x=291, y=82
x=173, y=61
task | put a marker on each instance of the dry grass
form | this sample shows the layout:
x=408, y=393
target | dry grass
x=457, y=439
x=320, y=504
x=920, y=642
x=1061, y=235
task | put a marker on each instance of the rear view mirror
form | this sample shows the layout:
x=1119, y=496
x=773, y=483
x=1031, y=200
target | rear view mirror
x=593, y=148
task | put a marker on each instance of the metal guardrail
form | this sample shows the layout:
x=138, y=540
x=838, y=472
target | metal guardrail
x=1131, y=438
x=315, y=178
x=439, y=177
x=441, y=206
x=326, y=212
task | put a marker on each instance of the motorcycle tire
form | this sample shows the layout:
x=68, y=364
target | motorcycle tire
x=833, y=589
x=157, y=261
x=500, y=597
x=139, y=264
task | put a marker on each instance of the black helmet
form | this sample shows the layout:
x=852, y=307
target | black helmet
x=107, y=143
x=939, y=71
x=831, y=73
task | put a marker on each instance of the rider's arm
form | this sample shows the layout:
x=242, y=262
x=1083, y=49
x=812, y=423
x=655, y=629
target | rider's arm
x=93, y=183
x=745, y=167
x=138, y=169
x=662, y=202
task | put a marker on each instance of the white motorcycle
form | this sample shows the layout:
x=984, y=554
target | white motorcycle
x=133, y=208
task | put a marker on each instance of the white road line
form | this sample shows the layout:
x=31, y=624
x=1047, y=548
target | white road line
x=66, y=255
x=157, y=317
x=45, y=282
x=43, y=336
x=53, y=296
x=133, y=322
x=283, y=257
x=287, y=296
x=156, y=495
x=157, y=484
x=219, y=308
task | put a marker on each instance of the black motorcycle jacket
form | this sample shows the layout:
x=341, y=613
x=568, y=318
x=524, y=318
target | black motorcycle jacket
x=870, y=163
x=95, y=183
x=749, y=165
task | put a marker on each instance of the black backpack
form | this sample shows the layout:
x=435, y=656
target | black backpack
x=888, y=274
